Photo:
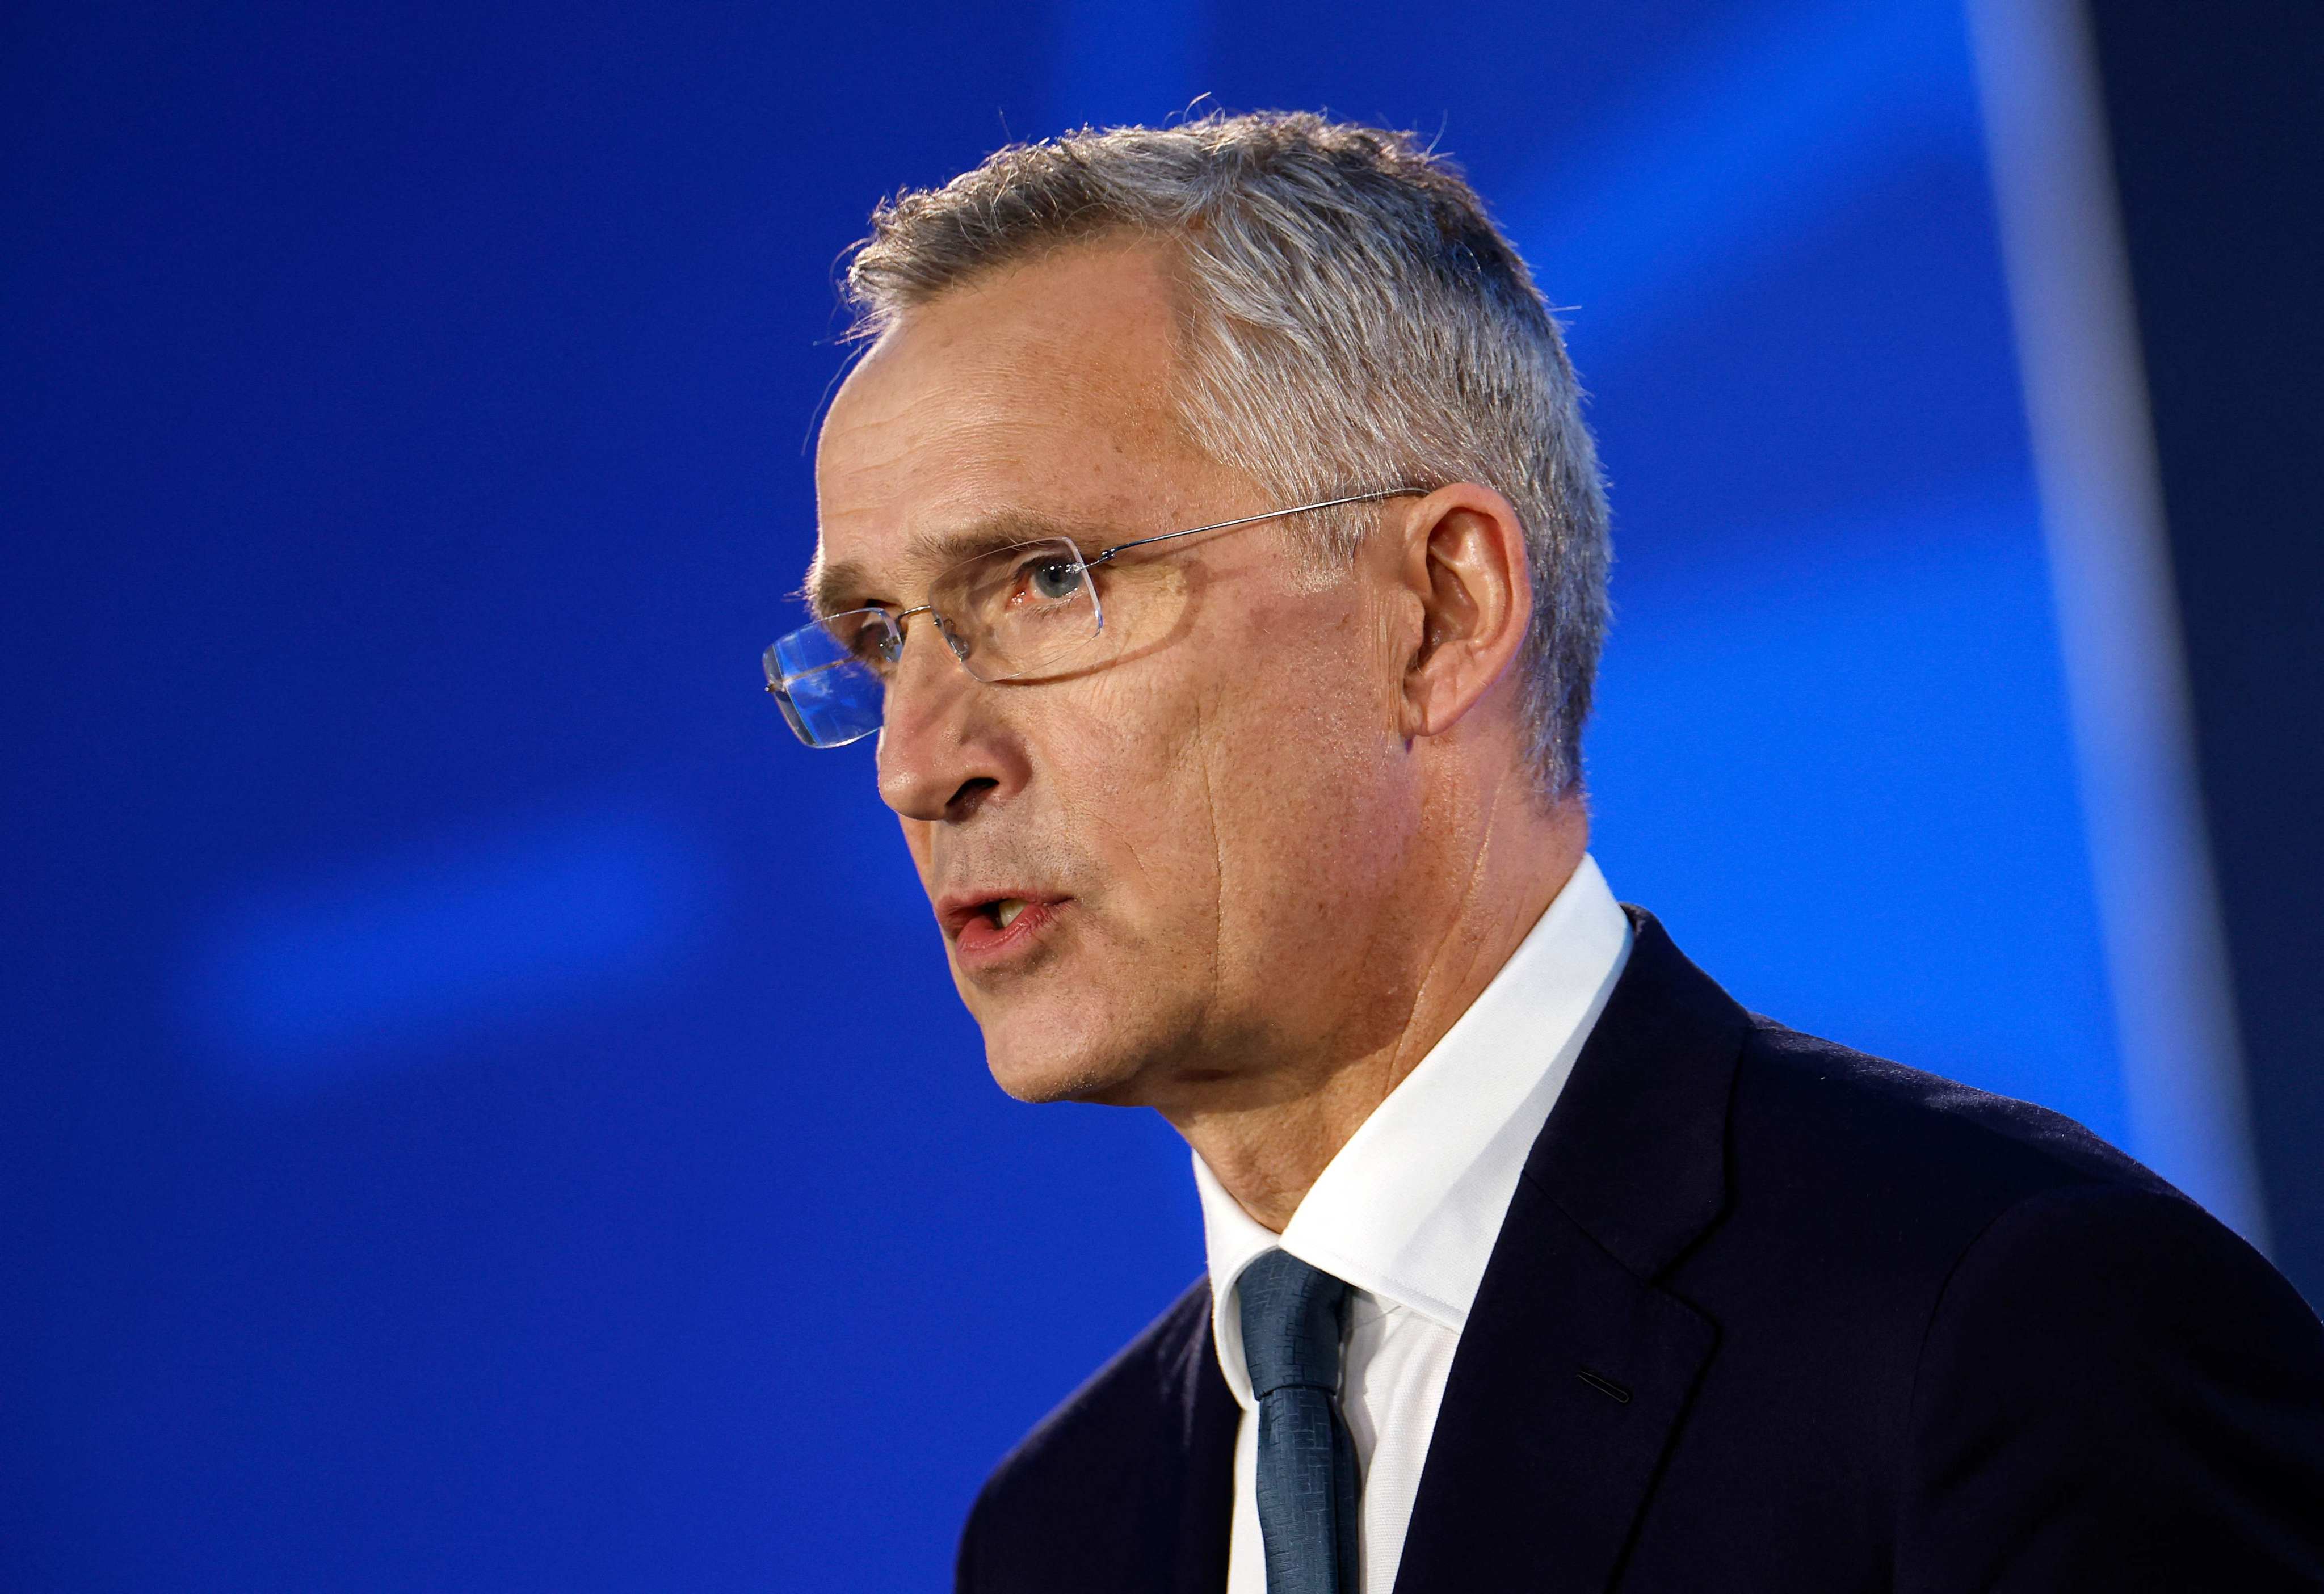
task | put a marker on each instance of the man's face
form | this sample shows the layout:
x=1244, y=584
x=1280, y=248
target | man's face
x=1204, y=818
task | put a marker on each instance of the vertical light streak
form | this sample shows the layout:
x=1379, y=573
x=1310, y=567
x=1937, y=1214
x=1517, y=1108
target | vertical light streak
x=2102, y=515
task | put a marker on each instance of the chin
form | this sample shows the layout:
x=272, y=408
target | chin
x=1043, y=1063
x=1038, y=1078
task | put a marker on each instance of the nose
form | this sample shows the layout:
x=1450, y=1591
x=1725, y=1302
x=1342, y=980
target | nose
x=944, y=746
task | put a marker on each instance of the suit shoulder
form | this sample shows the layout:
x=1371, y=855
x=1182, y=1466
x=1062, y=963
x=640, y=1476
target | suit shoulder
x=1139, y=1446
x=2115, y=1392
x=1142, y=1387
x=1862, y=1183
x=1879, y=1124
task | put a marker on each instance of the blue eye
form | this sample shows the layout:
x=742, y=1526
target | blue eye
x=1053, y=579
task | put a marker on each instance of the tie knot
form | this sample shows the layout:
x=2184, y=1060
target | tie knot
x=1291, y=1317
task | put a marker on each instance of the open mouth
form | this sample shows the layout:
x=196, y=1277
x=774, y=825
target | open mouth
x=986, y=927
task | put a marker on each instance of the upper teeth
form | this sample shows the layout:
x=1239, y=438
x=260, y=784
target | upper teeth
x=1007, y=909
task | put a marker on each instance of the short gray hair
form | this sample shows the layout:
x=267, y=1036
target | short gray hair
x=1353, y=320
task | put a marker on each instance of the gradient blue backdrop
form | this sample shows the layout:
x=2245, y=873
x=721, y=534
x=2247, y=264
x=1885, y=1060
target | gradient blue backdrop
x=483, y=1108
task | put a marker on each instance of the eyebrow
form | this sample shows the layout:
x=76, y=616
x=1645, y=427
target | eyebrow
x=835, y=588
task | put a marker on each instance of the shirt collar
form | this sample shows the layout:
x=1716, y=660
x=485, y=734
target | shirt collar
x=1411, y=1206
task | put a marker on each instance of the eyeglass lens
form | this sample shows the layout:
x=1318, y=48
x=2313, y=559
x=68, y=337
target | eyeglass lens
x=1006, y=614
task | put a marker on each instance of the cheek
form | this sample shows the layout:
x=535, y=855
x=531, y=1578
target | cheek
x=1216, y=781
x=1132, y=781
x=1127, y=769
x=1304, y=777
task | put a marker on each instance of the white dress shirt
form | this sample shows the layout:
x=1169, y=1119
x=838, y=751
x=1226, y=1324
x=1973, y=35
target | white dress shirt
x=1408, y=1211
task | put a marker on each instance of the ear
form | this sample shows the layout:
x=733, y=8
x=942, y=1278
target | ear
x=1464, y=559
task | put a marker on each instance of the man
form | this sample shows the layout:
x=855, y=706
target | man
x=1210, y=535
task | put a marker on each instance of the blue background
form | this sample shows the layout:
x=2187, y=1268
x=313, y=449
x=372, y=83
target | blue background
x=483, y=1108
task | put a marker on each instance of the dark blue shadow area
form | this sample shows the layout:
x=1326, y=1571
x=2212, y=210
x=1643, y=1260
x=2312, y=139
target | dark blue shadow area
x=485, y=1109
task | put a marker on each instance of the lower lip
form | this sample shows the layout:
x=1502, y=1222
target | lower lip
x=984, y=943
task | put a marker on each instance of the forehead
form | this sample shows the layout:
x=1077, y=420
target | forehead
x=1038, y=398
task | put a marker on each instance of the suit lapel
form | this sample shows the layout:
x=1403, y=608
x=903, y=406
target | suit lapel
x=1575, y=1370
x=1207, y=1418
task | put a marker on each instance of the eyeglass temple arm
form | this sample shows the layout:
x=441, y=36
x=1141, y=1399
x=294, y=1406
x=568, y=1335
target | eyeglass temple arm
x=1273, y=514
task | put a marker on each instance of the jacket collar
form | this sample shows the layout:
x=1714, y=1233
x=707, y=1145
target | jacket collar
x=1536, y=1474
x=1575, y=1370
x=1635, y=1152
x=1410, y=1208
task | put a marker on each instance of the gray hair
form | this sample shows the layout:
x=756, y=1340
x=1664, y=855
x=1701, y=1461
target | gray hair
x=1353, y=320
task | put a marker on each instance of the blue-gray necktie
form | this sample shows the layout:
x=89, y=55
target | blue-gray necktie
x=1291, y=1319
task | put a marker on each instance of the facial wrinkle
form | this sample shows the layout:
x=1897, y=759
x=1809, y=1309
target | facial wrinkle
x=1434, y=973
x=1218, y=856
x=1472, y=889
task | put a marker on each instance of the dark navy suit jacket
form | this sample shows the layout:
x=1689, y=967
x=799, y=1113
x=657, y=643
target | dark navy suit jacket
x=1770, y=1314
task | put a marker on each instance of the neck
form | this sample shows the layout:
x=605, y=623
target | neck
x=1268, y=1145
